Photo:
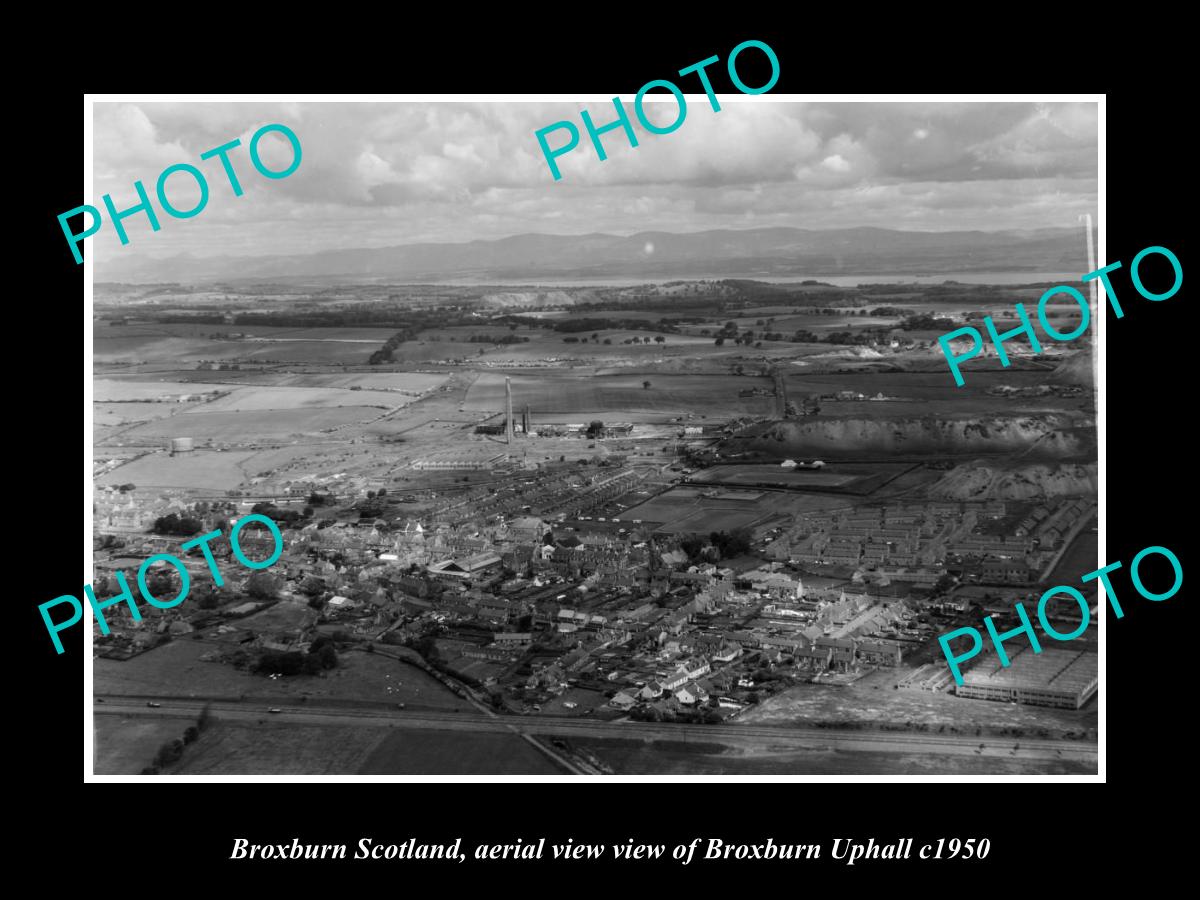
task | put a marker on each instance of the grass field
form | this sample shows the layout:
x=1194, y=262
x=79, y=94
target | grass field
x=776, y=474
x=684, y=510
x=849, y=477
x=176, y=669
x=427, y=752
x=110, y=389
x=633, y=757
x=557, y=396
x=247, y=426
x=705, y=521
x=1079, y=560
x=931, y=393
x=190, y=343
x=124, y=745
x=261, y=398
x=410, y=382
x=274, y=748
x=199, y=469
x=112, y=414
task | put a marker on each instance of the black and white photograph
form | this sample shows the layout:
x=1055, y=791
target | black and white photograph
x=527, y=438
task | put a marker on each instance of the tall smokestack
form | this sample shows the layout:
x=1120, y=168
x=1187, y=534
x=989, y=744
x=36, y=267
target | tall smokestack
x=508, y=420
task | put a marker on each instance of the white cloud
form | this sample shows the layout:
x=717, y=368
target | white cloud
x=376, y=174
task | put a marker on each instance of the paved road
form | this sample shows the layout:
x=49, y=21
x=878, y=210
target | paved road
x=771, y=739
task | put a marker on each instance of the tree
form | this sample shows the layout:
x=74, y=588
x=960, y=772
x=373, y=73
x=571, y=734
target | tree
x=312, y=586
x=659, y=339
x=720, y=342
x=327, y=657
x=190, y=734
x=646, y=385
x=595, y=428
x=262, y=586
x=174, y=524
x=169, y=753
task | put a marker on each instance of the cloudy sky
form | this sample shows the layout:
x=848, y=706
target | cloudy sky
x=379, y=174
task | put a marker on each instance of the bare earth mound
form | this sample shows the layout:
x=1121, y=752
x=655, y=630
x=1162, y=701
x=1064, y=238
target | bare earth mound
x=976, y=481
x=1053, y=436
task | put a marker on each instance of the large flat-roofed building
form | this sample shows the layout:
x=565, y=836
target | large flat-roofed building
x=1066, y=679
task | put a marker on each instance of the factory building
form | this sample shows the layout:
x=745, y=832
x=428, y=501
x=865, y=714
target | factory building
x=1065, y=679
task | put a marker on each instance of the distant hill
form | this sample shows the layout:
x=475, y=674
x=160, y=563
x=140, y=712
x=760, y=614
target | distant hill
x=777, y=252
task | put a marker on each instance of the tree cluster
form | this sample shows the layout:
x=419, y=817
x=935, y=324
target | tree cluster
x=172, y=523
x=321, y=655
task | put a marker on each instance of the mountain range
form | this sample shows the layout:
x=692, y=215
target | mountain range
x=762, y=252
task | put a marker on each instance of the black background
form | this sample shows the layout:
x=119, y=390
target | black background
x=176, y=829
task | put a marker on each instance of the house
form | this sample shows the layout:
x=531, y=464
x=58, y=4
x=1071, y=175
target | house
x=622, y=701
x=514, y=639
x=882, y=652
x=652, y=691
x=686, y=671
x=686, y=696
x=727, y=654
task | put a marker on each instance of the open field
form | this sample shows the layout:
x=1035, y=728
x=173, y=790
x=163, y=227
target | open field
x=556, y=396
x=675, y=504
x=191, y=343
x=116, y=390
x=245, y=427
x=658, y=757
x=267, y=747
x=843, y=478
x=109, y=414
x=209, y=469
x=409, y=382
x=705, y=521
x=124, y=745
x=933, y=393
x=1079, y=560
x=429, y=752
x=777, y=474
x=873, y=700
x=260, y=398
x=121, y=384
x=686, y=509
x=177, y=669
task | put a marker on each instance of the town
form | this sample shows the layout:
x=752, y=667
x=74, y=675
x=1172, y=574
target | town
x=732, y=545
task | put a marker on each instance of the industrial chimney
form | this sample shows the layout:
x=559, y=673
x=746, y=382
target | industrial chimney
x=508, y=415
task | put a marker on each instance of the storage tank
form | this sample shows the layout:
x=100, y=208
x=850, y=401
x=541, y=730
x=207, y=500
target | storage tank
x=181, y=445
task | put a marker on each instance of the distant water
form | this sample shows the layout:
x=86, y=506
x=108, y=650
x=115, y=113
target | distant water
x=836, y=280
